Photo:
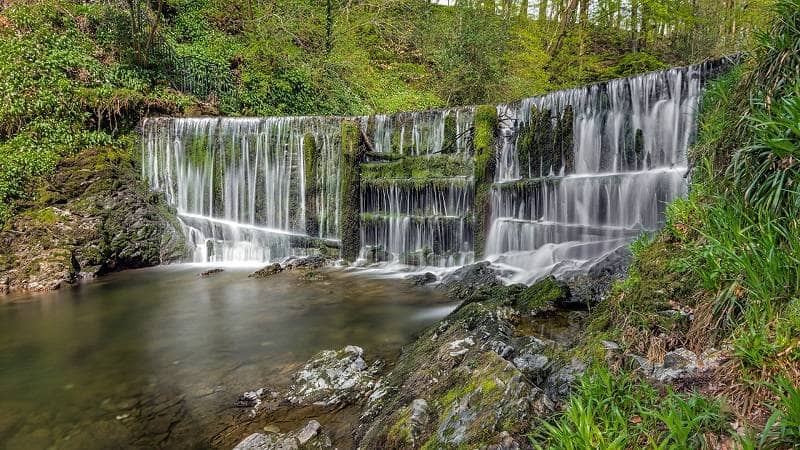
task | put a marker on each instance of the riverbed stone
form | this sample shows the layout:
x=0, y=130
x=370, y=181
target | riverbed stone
x=333, y=378
x=465, y=281
x=422, y=278
x=308, y=437
x=267, y=271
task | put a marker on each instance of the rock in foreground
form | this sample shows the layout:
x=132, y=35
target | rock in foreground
x=309, y=437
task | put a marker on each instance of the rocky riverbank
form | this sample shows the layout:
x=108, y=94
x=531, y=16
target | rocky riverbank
x=476, y=379
x=91, y=217
x=483, y=377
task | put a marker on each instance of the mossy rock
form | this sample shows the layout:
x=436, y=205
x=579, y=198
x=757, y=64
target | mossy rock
x=542, y=296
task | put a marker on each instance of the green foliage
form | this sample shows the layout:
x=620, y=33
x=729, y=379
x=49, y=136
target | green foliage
x=617, y=411
x=769, y=169
x=635, y=63
x=783, y=427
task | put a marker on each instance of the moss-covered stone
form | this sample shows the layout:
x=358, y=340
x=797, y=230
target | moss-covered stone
x=91, y=217
x=485, y=149
x=420, y=168
x=353, y=152
x=310, y=161
x=542, y=295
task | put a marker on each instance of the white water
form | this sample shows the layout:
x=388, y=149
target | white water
x=604, y=161
x=238, y=184
x=592, y=197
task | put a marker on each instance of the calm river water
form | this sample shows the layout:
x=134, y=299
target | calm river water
x=157, y=357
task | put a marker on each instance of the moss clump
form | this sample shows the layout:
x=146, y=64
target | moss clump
x=484, y=143
x=353, y=152
x=542, y=295
x=418, y=168
x=310, y=157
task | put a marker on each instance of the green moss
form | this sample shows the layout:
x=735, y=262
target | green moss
x=400, y=431
x=484, y=143
x=45, y=216
x=418, y=168
x=350, y=209
x=542, y=295
x=310, y=161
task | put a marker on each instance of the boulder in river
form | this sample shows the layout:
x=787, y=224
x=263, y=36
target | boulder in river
x=333, y=378
x=267, y=271
x=422, y=279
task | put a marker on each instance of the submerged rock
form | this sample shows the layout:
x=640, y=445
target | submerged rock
x=210, y=272
x=305, y=262
x=422, y=279
x=308, y=437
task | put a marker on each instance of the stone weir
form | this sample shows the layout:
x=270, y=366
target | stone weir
x=546, y=184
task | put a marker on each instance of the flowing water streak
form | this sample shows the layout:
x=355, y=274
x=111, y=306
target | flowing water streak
x=581, y=172
x=418, y=224
x=423, y=132
x=238, y=183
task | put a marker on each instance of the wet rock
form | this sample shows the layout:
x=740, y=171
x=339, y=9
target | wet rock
x=333, y=378
x=465, y=281
x=308, y=432
x=503, y=349
x=610, y=345
x=305, y=262
x=460, y=347
x=559, y=383
x=533, y=365
x=422, y=279
x=376, y=254
x=590, y=286
x=495, y=395
x=542, y=295
x=267, y=271
x=507, y=442
x=210, y=272
x=309, y=437
x=677, y=364
x=419, y=414
x=460, y=368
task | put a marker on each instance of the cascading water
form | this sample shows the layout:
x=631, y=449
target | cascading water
x=238, y=184
x=577, y=174
x=581, y=172
x=418, y=224
x=424, y=217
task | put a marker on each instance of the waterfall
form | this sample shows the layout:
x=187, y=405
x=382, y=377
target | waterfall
x=582, y=172
x=575, y=175
x=418, y=224
x=238, y=184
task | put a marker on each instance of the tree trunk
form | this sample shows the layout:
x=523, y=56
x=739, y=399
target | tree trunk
x=567, y=18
